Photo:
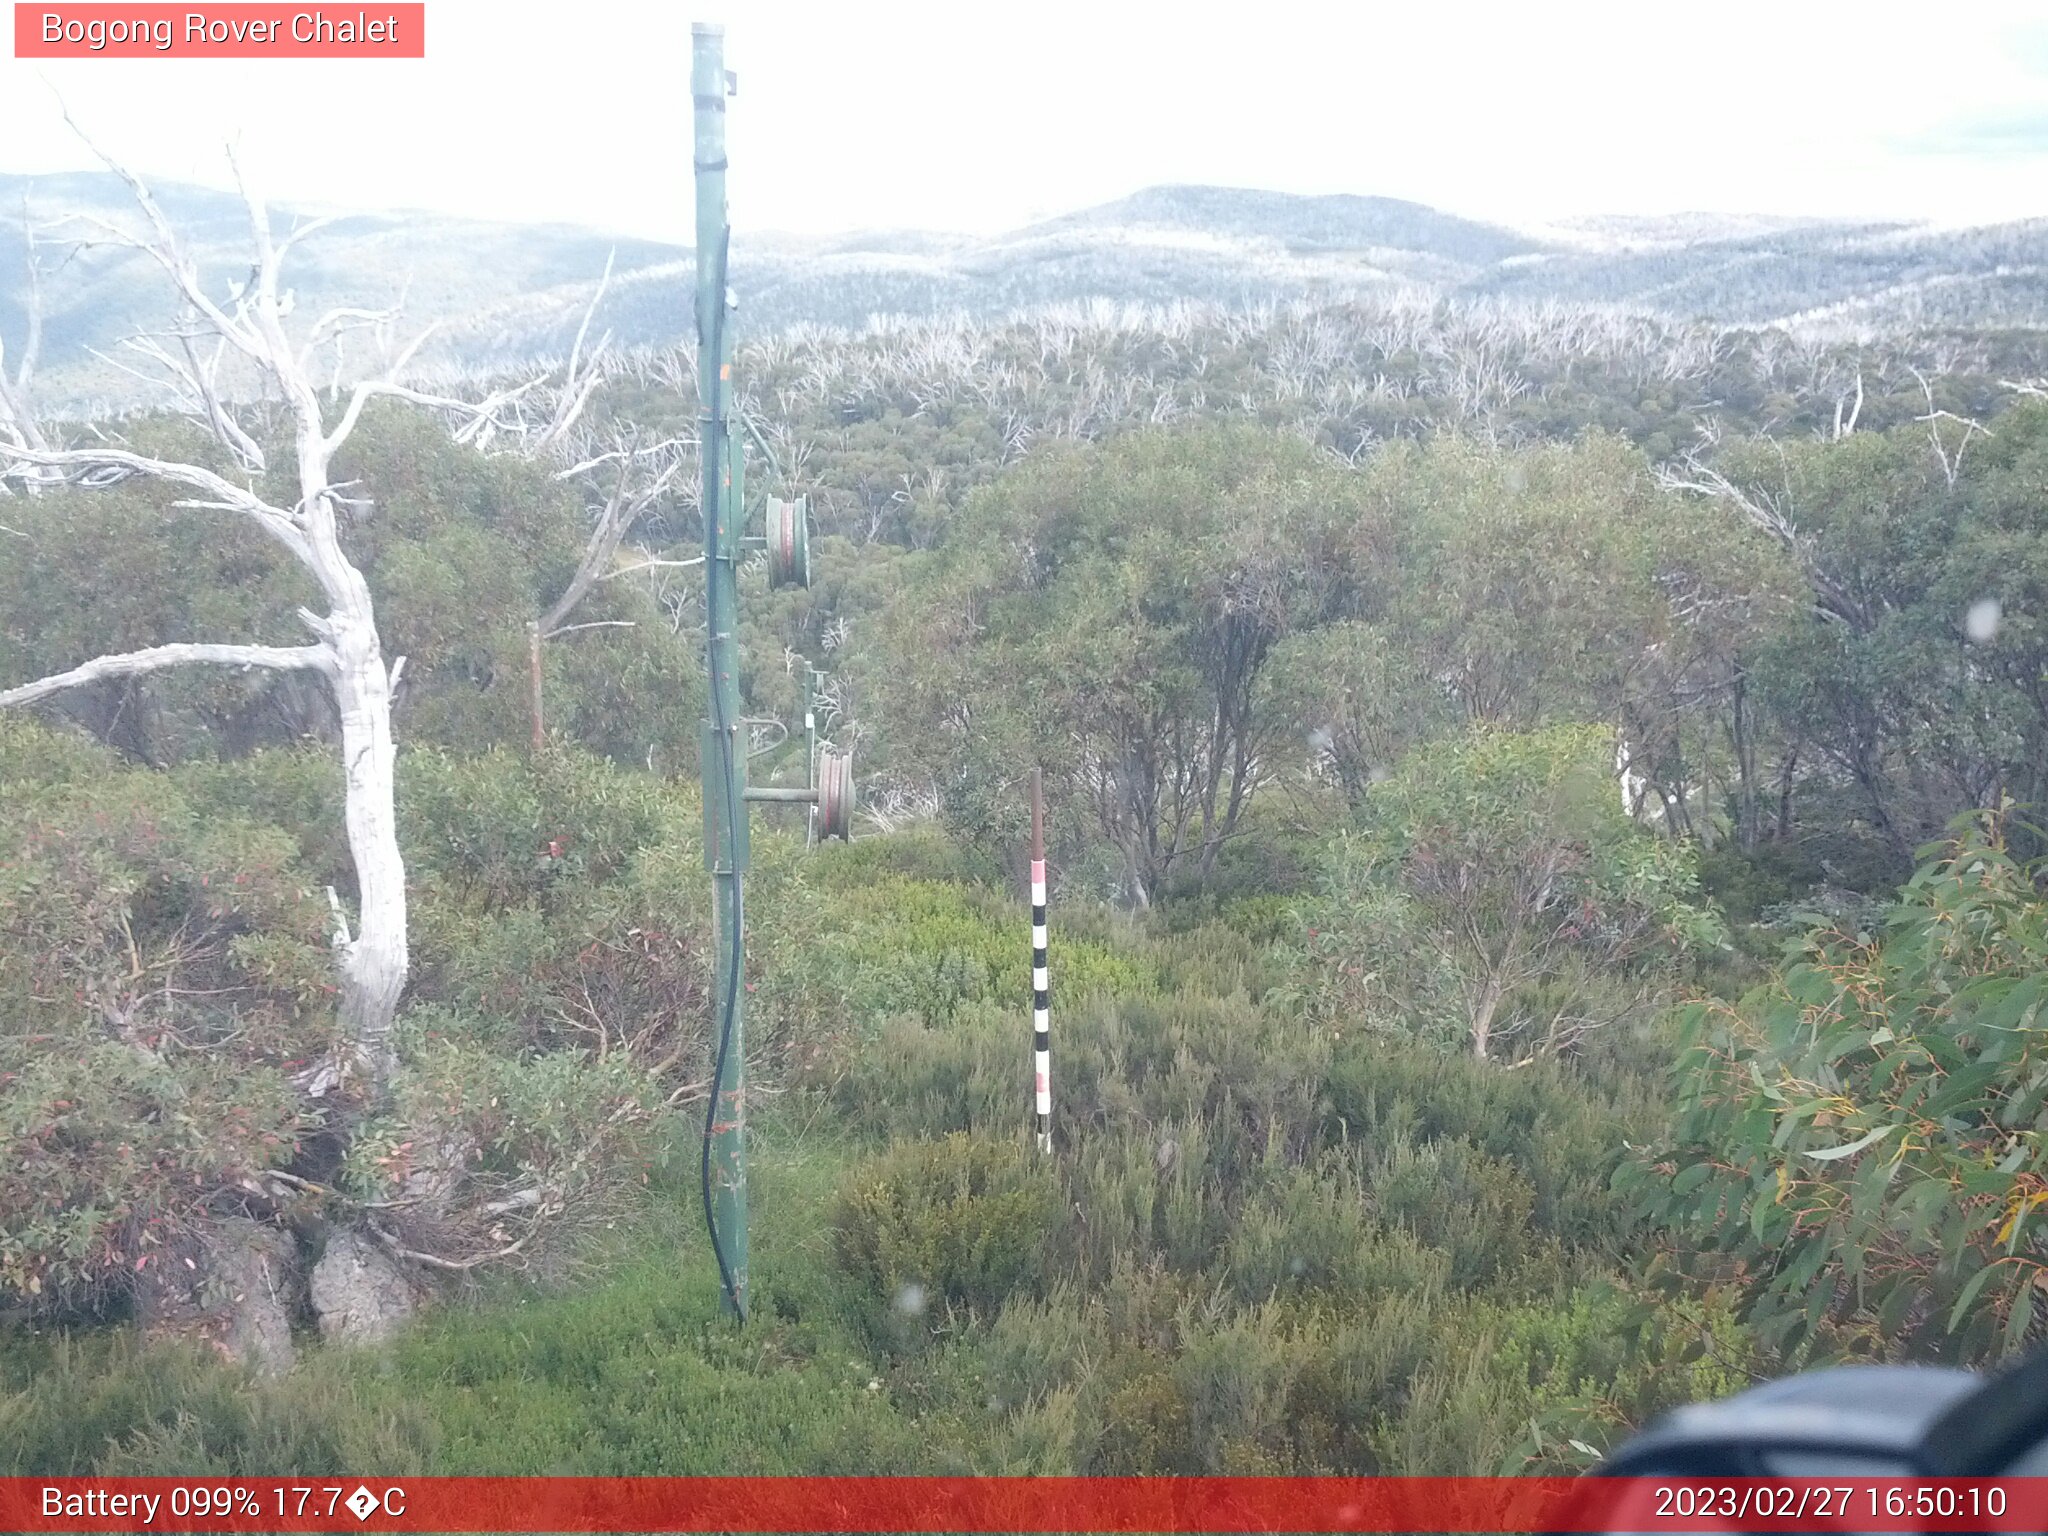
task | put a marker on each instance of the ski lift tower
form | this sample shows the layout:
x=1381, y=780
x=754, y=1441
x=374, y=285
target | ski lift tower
x=723, y=748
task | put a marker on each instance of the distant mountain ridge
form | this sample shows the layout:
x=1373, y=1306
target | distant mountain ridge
x=1299, y=223
x=503, y=294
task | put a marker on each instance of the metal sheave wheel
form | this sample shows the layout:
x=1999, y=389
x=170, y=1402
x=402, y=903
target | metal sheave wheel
x=789, y=542
x=835, y=794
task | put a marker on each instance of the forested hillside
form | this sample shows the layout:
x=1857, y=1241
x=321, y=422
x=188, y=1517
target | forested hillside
x=1547, y=911
x=504, y=295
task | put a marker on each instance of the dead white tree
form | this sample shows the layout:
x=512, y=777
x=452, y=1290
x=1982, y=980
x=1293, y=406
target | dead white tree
x=17, y=421
x=1770, y=513
x=1951, y=459
x=345, y=652
x=643, y=477
x=1845, y=426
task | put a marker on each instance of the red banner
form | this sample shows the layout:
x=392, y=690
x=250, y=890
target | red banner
x=1021, y=1504
x=234, y=31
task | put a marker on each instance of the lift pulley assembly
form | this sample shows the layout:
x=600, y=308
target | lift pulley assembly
x=789, y=542
x=828, y=770
x=835, y=794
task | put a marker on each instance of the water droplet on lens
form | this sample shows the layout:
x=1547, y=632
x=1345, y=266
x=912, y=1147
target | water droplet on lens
x=1981, y=622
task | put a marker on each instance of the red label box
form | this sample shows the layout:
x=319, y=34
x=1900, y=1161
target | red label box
x=379, y=30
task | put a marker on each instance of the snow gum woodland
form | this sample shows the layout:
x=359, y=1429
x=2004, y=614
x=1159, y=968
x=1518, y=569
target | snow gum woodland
x=1526, y=782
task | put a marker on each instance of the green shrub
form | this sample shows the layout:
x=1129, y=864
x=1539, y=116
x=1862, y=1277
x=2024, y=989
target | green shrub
x=1145, y=1421
x=1597, y=1361
x=895, y=945
x=295, y=789
x=1562, y=1132
x=1312, y=1231
x=1485, y=873
x=1858, y=1135
x=503, y=829
x=962, y=1222
x=161, y=976
x=920, y=853
x=1459, y=1201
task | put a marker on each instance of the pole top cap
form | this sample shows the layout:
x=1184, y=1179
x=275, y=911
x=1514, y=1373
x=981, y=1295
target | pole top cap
x=707, y=29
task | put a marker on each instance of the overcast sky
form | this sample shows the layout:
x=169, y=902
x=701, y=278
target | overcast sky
x=981, y=115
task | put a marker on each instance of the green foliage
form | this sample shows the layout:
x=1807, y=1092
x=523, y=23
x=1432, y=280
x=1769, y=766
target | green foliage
x=89, y=575
x=1883, y=680
x=859, y=944
x=503, y=830
x=1328, y=1228
x=1292, y=1223
x=1528, y=577
x=295, y=789
x=1118, y=605
x=1556, y=1129
x=1860, y=1133
x=1256, y=1250
x=460, y=550
x=161, y=973
x=1583, y=1364
x=1496, y=892
x=164, y=970
x=961, y=1222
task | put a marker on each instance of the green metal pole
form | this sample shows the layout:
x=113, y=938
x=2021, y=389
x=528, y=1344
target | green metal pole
x=811, y=753
x=723, y=753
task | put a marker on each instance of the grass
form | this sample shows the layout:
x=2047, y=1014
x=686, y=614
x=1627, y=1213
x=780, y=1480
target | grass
x=635, y=1374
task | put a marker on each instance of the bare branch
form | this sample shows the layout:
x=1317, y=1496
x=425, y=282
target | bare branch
x=300, y=232
x=32, y=344
x=662, y=449
x=335, y=324
x=98, y=468
x=166, y=252
x=435, y=1261
x=652, y=565
x=480, y=413
x=578, y=388
x=570, y=629
x=315, y=658
x=622, y=509
x=341, y=934
x=1767, y=514
x=597, y=298
x=17, y=418
x=1951, y=463
x=197, y=388
x=1847, y=427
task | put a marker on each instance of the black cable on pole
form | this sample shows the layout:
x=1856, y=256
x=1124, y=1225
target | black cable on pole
x=734, y=809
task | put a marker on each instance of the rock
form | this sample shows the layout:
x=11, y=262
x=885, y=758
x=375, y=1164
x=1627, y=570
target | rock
x=234, y=1284
x=359, y=1293
x=259, y=1276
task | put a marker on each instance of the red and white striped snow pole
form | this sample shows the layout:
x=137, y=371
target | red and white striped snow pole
x=1041, y=1002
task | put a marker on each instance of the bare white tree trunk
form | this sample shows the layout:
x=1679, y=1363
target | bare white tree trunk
x=17, y=424
x=374, y=965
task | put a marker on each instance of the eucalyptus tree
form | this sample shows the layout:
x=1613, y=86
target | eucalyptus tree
x=1915, y=667
x=1111, y=611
